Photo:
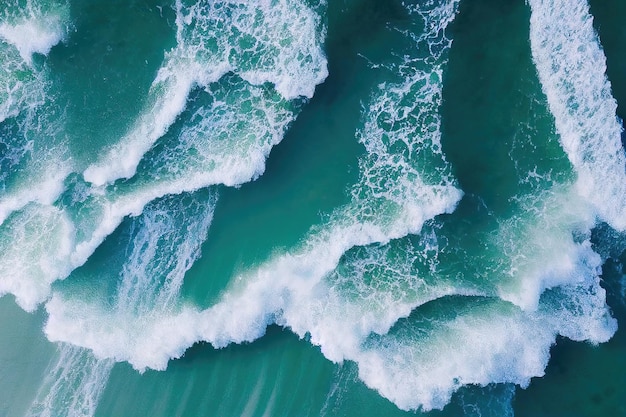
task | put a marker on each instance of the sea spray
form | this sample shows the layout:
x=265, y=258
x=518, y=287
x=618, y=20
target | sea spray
x=21, y=84
x=213, y=143
x=28, y=263
x=32, y=156
x=216, y=144
x=24, y=32
x=34, y=27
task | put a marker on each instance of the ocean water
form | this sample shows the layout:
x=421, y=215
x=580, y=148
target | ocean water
x=312, y=208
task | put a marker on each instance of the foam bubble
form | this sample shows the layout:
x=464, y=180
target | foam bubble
x=246, y=37
x=423, y=360
x=418, y=366
x=168, y=100
x=214, y=147
x=107, y=209
x=35, y=162
x=175, y=226
x=25, y=31
x=22, y=84
x=571, y=67
x=44, y=193
x=226, y=136
x=36, y=235
x=151, y=340
x=217, y=144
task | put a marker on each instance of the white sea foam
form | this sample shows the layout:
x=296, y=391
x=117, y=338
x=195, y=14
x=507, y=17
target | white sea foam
x=226, y=139
x=25, y=31
x=37, y=237
x=36, y=34
x=214, y=39
x=34, y=154
x=21, y=85
x=44, y=193
x=539, y=248
x=280, y=291
x=166, y=242
x=107, y=211
x=73, y=385
x=490, y=342
x=421, y=365
x=245, y=38
x=571, y=67
x=218, y=145
x=33, y=246
x=493, y=342
x=168, y=100
x=558, y=293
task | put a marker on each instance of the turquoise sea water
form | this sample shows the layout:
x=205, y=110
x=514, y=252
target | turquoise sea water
x=312, y=208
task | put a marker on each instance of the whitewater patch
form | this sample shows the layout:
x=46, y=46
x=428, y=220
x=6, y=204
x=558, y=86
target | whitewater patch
x=44, y=193
x=25, y=31
x=29, y=136
x=28, y=263
x=216, y=145
x=21, y=84
x=571, y=67
x=348, y=301
x=35, y=35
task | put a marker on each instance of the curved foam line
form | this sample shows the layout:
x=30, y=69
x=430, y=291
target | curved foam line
x=192, y=63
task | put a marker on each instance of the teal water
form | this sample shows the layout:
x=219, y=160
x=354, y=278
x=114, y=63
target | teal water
x=312, y=208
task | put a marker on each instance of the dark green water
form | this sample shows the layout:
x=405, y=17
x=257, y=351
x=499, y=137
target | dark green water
x=300, y=208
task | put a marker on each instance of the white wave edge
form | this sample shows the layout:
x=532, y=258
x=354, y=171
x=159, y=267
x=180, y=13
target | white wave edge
x=35, y=34
x=571, y=67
